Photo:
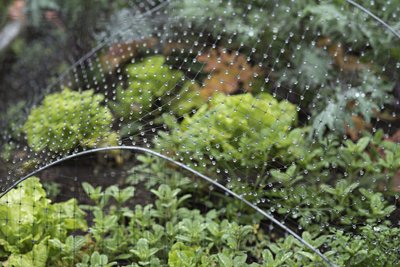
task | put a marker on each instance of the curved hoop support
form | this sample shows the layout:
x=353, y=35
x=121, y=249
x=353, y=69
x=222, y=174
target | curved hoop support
x=372, y=15
x=183, y=166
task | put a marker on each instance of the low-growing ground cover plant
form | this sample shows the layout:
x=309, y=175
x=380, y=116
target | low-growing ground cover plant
x=170, y=232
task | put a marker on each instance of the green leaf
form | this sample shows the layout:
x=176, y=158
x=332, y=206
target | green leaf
x=308, y=255
x=225, y=260
x=181, y=255
x=363, y=143
x=36, y=257
x=267, y=256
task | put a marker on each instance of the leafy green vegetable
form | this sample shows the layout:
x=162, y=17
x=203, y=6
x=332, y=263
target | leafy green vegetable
x=68, y=119
x=153, y=84
x=181, y=255
x=31, y=221
x=240, y=128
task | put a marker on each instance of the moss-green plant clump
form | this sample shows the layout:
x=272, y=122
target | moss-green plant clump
x=69, y=119
x=239, y=128
x=152, y=86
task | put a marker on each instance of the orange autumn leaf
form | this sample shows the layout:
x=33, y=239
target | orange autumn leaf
x=229, y=72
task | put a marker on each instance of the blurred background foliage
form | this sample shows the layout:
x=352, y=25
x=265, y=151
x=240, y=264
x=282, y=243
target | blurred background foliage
x=41, y=38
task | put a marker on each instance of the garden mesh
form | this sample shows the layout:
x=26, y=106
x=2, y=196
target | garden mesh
x=286, y=109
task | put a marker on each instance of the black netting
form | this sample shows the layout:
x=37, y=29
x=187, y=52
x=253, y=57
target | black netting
x=207, y=133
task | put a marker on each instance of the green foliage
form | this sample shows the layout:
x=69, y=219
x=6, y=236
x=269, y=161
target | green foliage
x=370, y=161
x=334, y=109
x=30, y=221
x=143, y=252
x=67, y=120
x=311, y=68
x=167, y=233
x=328, y=14
x=96, y=260
x=343, y=249
x=240, y=128
x=152, y=171
x=248, y=27
x=357, y=25
x=181, y=255
x=153, y=84
x=315, y=206
x=204, y=240
x=325, y=188
x=319, y=66
x=335, y=182
x=377, y=245
x=53, y=189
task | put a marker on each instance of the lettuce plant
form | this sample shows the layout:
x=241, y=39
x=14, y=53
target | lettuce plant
x=240, y=128
x=30, y=222
x=69, y=119
x=151, y=85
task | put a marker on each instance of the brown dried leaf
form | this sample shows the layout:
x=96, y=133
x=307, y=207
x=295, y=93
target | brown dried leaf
x=122, y=52
x=359, y=126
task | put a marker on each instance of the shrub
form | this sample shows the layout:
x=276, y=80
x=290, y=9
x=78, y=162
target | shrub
x=68, y=119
